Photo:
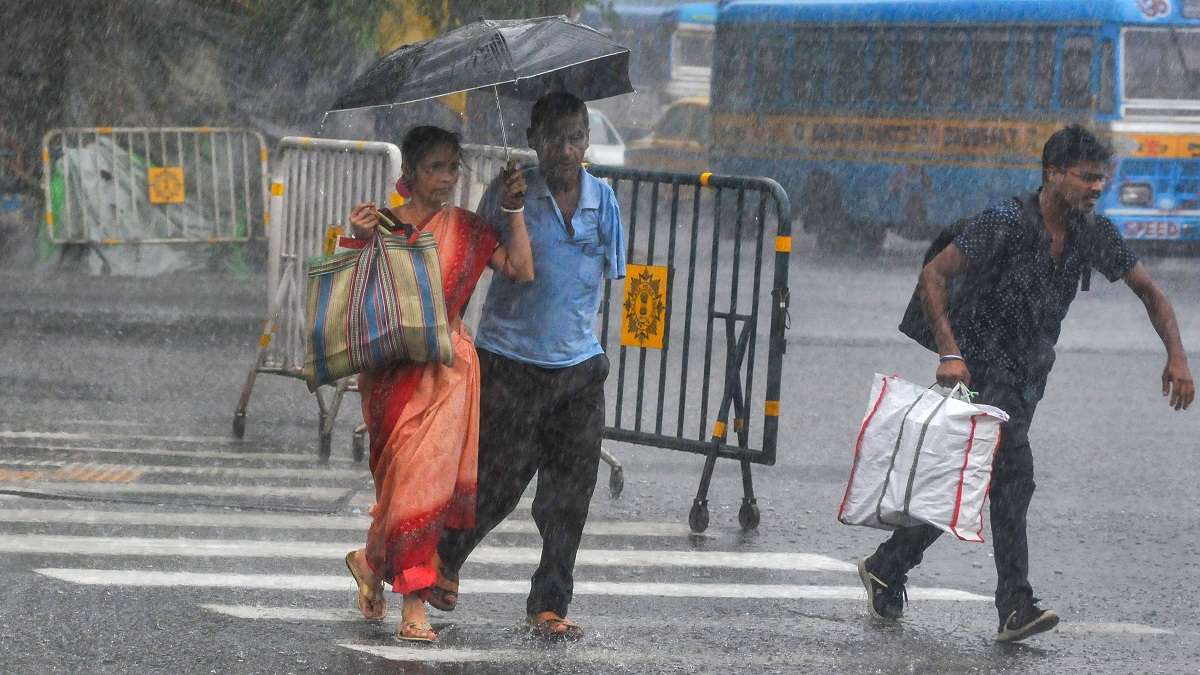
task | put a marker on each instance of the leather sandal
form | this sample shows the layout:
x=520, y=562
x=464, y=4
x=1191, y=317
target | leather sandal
x=416, y=631
x=552, y=626
x=371, y=602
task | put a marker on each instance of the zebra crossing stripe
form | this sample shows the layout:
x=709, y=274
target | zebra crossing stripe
x=137, y=489
x=235, y=455
x=48, y=544
x=344, y=583
x=287, y=521
x=72, y=435
x=66, y=469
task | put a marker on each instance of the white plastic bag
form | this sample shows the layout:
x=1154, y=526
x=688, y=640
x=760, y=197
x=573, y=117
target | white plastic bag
x=922, y=457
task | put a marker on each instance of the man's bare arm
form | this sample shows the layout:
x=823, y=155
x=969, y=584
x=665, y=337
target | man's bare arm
x=1176, y=377
x=935, y=300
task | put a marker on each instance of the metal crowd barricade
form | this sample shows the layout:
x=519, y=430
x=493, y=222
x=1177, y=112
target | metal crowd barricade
x=153, y=185
x=315, y=184
x=692, y=312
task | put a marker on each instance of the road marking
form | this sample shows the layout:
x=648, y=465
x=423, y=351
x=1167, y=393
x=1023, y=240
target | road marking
x=486, y=555
x=72, y=435
x=1113, y=629
x=108, y=423
x=115, y=489
x=344, y=583
x=788, y=624
x=287, y=521
x=456, y=654
x=216, y=472
x=239, y=454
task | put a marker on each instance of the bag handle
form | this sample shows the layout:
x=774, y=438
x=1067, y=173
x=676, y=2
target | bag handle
x=392, y=225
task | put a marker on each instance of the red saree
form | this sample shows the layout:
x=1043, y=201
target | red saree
x=423, y=421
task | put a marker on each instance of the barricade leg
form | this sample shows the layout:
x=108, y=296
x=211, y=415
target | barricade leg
x=264, y=341
x=748, y=515
x=359, y=442
x=616, y=474
x=328, y=417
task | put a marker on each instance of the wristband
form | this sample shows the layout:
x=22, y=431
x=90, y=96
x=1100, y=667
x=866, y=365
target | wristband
x=516, y=210
x=950, y=357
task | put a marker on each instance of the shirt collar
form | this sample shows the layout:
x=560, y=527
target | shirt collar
x=589, y=189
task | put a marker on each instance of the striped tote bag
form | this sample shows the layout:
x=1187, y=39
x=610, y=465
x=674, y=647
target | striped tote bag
x=374, y=307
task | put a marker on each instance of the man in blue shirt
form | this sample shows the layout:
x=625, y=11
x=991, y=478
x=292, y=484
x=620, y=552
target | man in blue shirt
x=542, y=368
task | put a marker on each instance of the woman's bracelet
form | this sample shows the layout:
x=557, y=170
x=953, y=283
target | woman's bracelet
x=950, y=357
x=520, y=209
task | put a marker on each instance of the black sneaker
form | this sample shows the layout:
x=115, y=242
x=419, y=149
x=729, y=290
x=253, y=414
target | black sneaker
x=884, y=601
x=1026, y=620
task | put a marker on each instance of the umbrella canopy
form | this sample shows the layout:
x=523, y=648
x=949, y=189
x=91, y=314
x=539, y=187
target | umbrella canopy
x=533, y=56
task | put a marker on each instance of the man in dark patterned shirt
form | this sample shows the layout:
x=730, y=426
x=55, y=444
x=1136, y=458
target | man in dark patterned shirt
x=1024, y=259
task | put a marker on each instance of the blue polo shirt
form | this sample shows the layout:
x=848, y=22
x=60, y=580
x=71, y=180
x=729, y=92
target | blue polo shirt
x=550, y=321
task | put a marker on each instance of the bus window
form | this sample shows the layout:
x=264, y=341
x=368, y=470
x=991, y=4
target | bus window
x=1043, y=80
x=884, y=66
x=1076, y=89
x=985, y=82
x=944, y=85
x=1162, y=64
x=772, y=56
x=846, y=75
x=1107, y=77
x=807, y=78
x=732, y=73
x=911, y=70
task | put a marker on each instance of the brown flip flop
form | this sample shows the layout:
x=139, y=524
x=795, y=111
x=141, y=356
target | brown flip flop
x=367, y=596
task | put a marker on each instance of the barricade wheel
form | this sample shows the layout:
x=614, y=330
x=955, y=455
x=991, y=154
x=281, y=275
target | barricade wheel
x=698, y=518
x=616, y=482
x=239, y=426
x=359, y=446
x=325, y=446
x=748, y=516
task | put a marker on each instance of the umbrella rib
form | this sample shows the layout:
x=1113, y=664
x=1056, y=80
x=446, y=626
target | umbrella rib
x=570, y=65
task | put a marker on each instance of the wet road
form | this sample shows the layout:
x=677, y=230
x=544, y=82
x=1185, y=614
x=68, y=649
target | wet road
x=173, y=548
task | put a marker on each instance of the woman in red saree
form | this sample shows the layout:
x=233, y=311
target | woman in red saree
x=423, y=418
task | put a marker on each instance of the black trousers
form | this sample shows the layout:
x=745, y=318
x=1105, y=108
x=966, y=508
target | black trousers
x=544, y=421
x=1011, y=491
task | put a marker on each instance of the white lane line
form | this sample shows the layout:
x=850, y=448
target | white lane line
x=108, y=423
x=239, y=454
x=1112, y=628
x=343, y=583
x=116, y=489
x=50, y=544
x=709, y=657
x=288, y=521
x=71, y=435
x=456, y=654
x=214, y=472
x=614, y=623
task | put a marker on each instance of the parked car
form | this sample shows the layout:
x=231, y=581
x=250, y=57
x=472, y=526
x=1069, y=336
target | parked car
x=679, y=141
x=605, y=145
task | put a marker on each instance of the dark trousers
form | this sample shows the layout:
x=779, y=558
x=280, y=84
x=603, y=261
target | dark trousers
x=1011, y=491
x=544, y=421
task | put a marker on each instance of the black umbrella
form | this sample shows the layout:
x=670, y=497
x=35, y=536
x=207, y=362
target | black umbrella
x=532, y=56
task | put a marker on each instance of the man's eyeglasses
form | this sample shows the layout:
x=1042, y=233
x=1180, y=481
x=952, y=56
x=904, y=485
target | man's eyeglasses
x=1090, y=178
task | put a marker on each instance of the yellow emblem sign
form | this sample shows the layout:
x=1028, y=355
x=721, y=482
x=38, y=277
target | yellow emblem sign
x=644, y=323
x=166, y=184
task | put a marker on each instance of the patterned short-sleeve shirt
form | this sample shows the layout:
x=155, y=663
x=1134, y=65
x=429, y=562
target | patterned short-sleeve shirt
x=1010, y=327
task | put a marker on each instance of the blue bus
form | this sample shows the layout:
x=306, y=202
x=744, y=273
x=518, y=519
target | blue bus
x=882, y=115
x=671, y=55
